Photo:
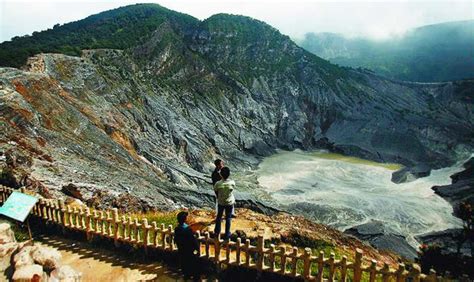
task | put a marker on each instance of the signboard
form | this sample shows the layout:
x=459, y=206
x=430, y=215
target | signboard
x=18, y=206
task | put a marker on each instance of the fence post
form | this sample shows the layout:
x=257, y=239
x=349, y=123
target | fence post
x=145, y=228
x=199, y=237
x=415, y=272
x=294, y=261
x=237, y=250
x=170, y=232
x=260, y=252
x=401, y=272
x=282, y=260
x=319, y=278
x=110, y=224
x=385, y=273
x=137, y=230
x=155, y=233
x=82, y=221
x=432, y=276
x=272, y=258
x=206, y=243
x=343, y=268
x=62, y=215
x=227, y=251
x=116, y=221
x=307, y=263
x=358, y=265
x=88, y=224
x=163, y=236
x=373, y=269
x=247, y=252
x=332, y=257
x=123, y=223
x=217, y=248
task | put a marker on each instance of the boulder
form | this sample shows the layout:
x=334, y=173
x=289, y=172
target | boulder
x=448, y=239
x=23, y=257
x=461, y=189
x=72, y=191
x=27, y=273
x=466, y=174
x=383, y=238
x=48, y=257
x=408, y=174
x=65, y=273
x=6, y=252
x=6, y=234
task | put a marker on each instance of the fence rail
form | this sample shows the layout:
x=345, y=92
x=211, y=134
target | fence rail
x=287, y=261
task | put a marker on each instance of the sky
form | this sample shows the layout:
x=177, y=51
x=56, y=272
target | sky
x=373, y=19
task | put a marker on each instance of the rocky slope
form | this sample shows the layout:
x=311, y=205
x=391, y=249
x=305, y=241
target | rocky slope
x=462, y=187
x=148, y=120
x=460, y=191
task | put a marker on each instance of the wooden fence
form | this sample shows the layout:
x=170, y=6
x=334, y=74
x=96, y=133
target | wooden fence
x=282, y=260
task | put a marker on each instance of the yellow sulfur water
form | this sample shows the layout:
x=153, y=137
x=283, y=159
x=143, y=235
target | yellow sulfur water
x=354, y=160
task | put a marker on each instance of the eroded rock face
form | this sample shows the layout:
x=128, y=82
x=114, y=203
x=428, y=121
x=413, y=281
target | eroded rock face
x=150, y=120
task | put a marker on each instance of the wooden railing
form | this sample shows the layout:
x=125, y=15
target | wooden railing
x=287, y=261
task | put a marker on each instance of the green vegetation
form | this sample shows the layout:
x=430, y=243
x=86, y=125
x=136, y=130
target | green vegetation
x=117, y=29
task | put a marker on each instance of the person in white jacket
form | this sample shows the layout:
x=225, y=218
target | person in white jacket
x=225, y=201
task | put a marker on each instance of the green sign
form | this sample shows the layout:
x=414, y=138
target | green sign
x=18, y=206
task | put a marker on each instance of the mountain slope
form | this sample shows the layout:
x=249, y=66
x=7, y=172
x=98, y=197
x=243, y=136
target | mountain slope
x=119, y=28
x=439, y=52
x=148, y=120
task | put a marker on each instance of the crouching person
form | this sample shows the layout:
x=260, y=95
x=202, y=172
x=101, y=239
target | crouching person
x=188, y=247
x=225, y=201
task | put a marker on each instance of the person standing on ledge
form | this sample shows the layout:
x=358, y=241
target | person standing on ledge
x=188, y=246
x=225, y=201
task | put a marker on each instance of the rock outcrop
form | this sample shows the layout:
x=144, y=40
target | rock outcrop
x=449, y=239
x=462, y=187
x=408, y=174
x=382, y=238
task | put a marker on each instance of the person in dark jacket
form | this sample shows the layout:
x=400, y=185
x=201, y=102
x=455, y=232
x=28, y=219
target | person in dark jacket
x=188, y=246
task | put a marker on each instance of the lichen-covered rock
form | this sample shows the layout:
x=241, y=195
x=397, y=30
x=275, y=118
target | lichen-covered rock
x=65, y=273
x=48, y=257
x=26, y=273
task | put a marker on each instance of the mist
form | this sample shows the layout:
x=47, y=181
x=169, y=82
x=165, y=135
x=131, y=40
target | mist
x=375, y=20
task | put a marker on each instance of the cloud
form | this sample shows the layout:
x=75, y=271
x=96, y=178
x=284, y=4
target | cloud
x=376, y=19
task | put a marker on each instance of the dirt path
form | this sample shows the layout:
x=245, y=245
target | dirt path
x=105, y=265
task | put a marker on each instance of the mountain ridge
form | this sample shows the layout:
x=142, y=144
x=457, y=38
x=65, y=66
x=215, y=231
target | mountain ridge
x=438, y=52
